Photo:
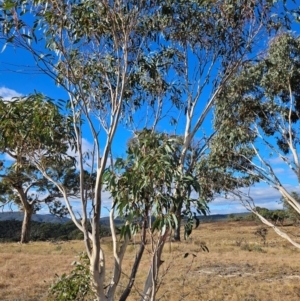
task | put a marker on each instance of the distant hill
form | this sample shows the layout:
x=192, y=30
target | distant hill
x=41, y=218
x=49, y=218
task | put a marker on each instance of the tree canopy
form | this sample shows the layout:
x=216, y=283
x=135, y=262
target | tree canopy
x=261, y=119
x=138, y=63
x=32, y=127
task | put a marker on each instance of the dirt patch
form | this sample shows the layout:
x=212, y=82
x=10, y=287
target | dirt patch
x=245, y=270
x=229, y=270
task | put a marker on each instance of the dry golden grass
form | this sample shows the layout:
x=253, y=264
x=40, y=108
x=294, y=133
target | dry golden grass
x=238, y=266
x=26, y=271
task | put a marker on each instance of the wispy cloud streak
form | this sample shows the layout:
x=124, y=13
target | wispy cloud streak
x=7, y=94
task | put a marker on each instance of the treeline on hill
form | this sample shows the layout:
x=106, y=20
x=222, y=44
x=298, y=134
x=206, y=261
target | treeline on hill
x=281, y=217
x=10, y=230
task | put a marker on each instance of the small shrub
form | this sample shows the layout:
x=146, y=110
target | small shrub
x=250, y=217
x=239, y=241
x=262, y=233
x=58, y=248
x=235, y=218
x=252, y=248
x=75, y=286
x=231, y=217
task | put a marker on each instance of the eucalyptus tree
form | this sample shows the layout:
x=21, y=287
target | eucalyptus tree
x=261, y=121
x=101, y=53
x=29, y=127
x=214, y=39
x=118, y=60
x=142, y=187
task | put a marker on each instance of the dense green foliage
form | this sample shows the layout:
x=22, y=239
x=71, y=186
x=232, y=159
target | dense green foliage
x=257, y=119
x=142, y=184
x=276, y=216
x=11, y=231
x=258, y=113
x=293, y=215
x=32, y=126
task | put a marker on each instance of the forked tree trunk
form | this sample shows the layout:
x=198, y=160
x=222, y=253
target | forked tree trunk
x=28, y=211
x=26, y=225
x=150, y=287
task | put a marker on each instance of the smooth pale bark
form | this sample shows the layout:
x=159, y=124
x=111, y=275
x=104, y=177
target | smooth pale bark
x=111, y=290
x=150, y=287
x=28, y=211
x=97, y=262
x=122, y=32
x=26, y=225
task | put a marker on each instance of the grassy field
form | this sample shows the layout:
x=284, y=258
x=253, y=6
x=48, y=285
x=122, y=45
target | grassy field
x=239, y=266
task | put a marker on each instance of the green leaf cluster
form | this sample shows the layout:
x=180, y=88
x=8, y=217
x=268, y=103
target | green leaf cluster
x=263, y=98
x=76, y=286
x=143, y=185
x=33, y=126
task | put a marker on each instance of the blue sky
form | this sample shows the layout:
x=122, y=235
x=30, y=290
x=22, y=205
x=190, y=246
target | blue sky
x=17, y=77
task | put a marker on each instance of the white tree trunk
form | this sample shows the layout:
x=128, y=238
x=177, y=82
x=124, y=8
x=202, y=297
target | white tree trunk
x=150, y=287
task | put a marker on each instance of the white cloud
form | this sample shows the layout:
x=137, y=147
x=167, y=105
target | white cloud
x=279, y=170
x=106, y=199
x=106, y=203
x=8, y=94
x=87, y=147
x=263, y=196
x=277, y=160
